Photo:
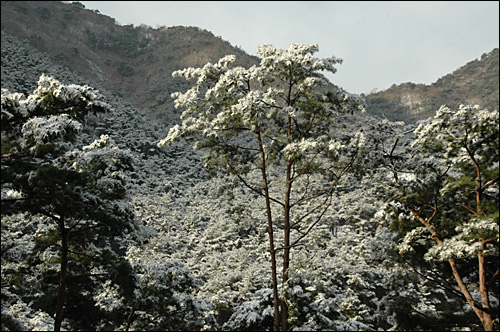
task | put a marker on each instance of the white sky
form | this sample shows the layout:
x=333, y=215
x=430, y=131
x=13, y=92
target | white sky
x=381, y=42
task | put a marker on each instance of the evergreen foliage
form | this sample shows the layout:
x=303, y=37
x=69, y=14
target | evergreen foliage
x=157, y=241
x=74, y=198
x=446, y=194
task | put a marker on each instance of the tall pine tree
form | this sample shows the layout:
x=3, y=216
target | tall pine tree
x=73, y=201
x=280, y=121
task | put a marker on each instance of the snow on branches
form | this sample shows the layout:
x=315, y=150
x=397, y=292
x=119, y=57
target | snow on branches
x=49, y=119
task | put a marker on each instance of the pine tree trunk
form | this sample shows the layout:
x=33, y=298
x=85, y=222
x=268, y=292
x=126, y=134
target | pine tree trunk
x=486, y=318
x=129, y=319
x=271, y=235
x=62, y=280
x=286, y=246
x=483, y=315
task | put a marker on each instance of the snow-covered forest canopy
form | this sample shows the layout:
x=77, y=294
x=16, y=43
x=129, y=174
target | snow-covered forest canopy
x=268, y=199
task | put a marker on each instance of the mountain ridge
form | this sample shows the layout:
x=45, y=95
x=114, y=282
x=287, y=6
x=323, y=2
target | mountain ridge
x=200, y=257
x=136, y=62
x=476, y=82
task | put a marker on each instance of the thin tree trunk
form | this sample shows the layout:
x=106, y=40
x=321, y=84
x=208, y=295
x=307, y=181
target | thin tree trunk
x=129, y=319
x=286, y=246
x=486, y=319
x=484, y=316
x=484, y=313
x=271, y=234
x=62, y=279
x=286, y=226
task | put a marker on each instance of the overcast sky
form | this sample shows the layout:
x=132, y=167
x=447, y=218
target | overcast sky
x=381, y=42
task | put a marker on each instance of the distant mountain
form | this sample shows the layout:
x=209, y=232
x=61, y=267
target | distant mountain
x=79, y=46
x=133, y=62
x=477, y=82
x=203, y=238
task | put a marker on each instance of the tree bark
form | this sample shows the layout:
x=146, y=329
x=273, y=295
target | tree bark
x=483, y=313
x=484, y=316
x=486, y=319
x=129, y=319
x=276, y=325
x=286, y=246
x=62, y=280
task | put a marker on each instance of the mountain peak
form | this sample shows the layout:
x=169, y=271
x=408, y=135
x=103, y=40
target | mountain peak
x=477, y=82
x=134, y=62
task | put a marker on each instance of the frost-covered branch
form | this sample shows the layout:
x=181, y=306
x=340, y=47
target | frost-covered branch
x=449, y=159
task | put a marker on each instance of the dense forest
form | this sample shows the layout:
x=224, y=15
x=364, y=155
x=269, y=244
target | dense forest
x=162, y=179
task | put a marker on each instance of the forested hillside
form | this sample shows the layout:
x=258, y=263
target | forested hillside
x=298, y=209
x=133, y=62
x=477, y=82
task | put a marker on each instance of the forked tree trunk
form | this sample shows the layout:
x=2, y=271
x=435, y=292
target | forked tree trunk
x=483, y=311
x=276, y=325
x=486, y=318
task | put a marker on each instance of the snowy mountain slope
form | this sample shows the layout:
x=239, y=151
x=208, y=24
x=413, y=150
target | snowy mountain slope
x=204, y=244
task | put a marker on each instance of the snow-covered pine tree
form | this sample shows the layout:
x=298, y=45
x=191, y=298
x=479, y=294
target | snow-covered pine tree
x=445, y=202
x=71, y=203
x=279, y=120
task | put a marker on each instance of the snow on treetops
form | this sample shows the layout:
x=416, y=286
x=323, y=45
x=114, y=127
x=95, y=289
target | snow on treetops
x=49, y=97
x=296, y=54
x=249, y=97
x=49, y=85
